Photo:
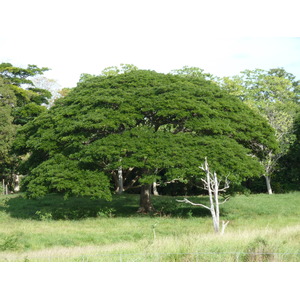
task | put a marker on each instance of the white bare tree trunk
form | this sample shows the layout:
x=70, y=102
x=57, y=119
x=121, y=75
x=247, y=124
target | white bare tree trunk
x=268, y=182
x=17, y=179
x=212, y=185
x=211, y=200
x=120, y=180
x=155, y=191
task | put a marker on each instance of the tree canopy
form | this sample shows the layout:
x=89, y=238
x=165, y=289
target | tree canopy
x=144, y=122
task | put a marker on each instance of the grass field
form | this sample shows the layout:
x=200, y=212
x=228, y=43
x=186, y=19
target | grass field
x=261, y=228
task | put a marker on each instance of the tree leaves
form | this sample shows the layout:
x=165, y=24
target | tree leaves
x=142, y=121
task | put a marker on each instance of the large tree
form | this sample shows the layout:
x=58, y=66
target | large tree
x=20, y=102
x=7, y=128
x=289, y=165
x=273, y=94
x=145, y=122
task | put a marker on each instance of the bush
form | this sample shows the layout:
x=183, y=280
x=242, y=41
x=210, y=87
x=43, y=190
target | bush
x=12, y=242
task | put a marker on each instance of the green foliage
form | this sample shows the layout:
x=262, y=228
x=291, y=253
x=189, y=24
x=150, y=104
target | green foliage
x=7, y=128
x=7, y=131
x=7, y=95
x=64, y=175
x=27, y=98
x=192, y=72
x=288, y=175
x=18, y=76
x=106, y=212
x=12, y=242
x=142, y=121
x=20, y=102
x=110, y=71
x=44, y=215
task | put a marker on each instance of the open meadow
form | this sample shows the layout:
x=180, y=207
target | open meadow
x=262, y=228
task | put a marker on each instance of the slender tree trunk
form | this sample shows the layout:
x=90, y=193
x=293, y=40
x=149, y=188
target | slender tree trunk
x=120, y=181
x=145, y=200
x=154, y=186
x=17, y=183
x=5, y=188
x=211, y=199
x=268, y=182
x=216, y=198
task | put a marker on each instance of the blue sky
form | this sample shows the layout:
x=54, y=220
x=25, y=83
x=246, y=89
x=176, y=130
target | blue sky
x=221, y=37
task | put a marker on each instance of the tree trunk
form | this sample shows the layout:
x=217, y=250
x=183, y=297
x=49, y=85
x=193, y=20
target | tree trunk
x=268, y=182
x=211, y=199
x=216, y=198
x=5, y=187
x=155, y=192
x=145, y=200
x=17, y=183
x=120, y=181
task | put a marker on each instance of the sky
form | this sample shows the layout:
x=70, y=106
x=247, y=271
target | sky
x=221, y=37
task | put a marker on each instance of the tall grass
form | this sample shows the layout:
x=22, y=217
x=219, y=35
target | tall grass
x=261, y=228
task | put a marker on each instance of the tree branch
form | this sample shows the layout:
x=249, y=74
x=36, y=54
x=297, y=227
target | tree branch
x=132, y=182
x=192, y=203
x=225, y=200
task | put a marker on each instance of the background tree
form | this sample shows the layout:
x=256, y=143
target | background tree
x=29, y=98
x=143, y=121
x=7, y=128
x=49, y=85
x=20, y=102
x=288, y=175
x=274, y=95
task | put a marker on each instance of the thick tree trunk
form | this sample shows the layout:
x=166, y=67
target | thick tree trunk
x=145, y=200
x=268, y=182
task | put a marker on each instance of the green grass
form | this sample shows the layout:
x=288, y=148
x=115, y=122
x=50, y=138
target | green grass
x=77, y=229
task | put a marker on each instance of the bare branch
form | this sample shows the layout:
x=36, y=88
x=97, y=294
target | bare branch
x=225, y=200
x=226, y=184
x=192, y=203
x=212, y=185
x=132, y=182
